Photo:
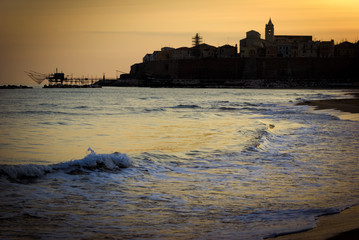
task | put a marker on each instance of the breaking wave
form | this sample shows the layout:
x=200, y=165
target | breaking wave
x=92, y=162
x=262, y=139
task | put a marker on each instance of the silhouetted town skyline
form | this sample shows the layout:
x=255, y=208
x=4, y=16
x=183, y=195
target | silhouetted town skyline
x=287, y=46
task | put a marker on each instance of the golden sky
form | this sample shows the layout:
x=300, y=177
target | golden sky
x=92, y=37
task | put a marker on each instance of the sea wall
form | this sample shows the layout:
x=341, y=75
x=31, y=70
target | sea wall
x=248, y=72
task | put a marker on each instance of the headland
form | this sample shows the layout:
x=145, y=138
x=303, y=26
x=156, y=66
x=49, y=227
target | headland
x=278, y=61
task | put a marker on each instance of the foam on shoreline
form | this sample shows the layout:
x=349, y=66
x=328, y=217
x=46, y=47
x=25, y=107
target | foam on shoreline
x=345, y=224
x=329, y=227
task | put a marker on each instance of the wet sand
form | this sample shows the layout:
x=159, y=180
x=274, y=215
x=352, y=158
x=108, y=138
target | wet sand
x=344, y=105
x=342, y=226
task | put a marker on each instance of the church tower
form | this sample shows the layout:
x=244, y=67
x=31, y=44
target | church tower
x=270, y=31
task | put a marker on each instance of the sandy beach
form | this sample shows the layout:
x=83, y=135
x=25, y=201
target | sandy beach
x=342, y=226
x=345, y=105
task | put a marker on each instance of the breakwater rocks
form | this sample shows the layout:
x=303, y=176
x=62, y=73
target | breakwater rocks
x=72, y=86
x=246, y=73
x=14, y=87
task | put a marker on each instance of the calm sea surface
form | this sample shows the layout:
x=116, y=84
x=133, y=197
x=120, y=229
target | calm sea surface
x=140, y=163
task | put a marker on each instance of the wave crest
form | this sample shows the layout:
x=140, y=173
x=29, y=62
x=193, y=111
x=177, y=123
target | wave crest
x=97, y=161
x=92, y=162
x=262, y=139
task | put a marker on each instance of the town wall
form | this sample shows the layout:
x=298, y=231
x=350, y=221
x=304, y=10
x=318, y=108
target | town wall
x=239, y=71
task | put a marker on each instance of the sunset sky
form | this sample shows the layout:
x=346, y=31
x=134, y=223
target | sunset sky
x=92, y=37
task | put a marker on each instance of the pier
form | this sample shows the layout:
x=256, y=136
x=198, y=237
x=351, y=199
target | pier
x=60, y=80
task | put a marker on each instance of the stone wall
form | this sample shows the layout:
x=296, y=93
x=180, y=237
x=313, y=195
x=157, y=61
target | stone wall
x=240, y=70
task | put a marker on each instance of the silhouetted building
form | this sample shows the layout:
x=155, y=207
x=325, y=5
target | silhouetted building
x=165, y=54
x=199, y=50
x=326, y=49
x=283, y=45
x=227, y=51
x=148, y=57
x=182, y=53
x=252, y=45
x=206, y=51
x=296, y=46
x=273, y=46
x=345, y=49
x=270, y=31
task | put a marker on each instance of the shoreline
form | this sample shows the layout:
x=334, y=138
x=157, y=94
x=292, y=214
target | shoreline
x=337, y=226
x=350, y=105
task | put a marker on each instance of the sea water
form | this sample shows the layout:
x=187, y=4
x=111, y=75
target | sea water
x=141, y=163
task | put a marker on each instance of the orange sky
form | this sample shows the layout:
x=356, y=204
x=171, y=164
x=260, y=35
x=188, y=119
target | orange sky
x=91, y=37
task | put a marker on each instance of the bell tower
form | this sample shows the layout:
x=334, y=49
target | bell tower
x=270, y=31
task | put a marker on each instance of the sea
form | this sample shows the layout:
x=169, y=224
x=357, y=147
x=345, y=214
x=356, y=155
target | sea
x=160, y=163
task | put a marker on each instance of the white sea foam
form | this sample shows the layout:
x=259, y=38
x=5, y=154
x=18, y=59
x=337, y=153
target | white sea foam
x=91, y=162
x=24, y=171
x=98, y=161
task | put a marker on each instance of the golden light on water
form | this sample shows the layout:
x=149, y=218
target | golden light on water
x=130, y=135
